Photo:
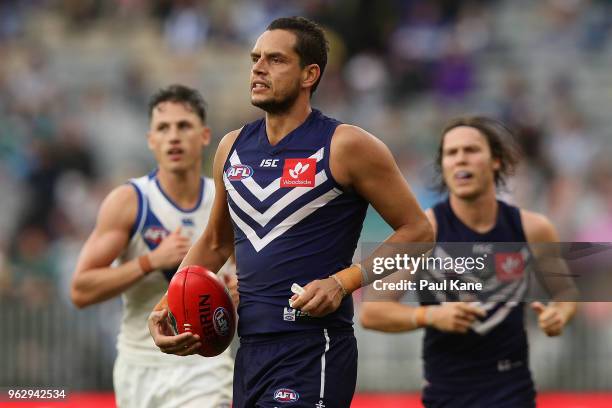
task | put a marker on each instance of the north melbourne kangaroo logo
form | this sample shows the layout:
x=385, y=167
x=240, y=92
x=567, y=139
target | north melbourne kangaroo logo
x=299, y=173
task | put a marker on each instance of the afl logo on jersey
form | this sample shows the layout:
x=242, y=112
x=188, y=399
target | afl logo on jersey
x=239, y=172
x=286, y=395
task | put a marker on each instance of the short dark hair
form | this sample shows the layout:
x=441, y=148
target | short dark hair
x=500, y=139
x=180, y=94
x=310, y=45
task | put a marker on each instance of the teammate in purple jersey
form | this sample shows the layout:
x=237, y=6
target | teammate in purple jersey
x=475, y=354
x=292, y=190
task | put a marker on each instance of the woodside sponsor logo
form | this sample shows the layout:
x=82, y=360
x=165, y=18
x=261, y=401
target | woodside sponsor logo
x=299, y=173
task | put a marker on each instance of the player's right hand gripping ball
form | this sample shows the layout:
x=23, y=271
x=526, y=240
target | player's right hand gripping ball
x=199, y=303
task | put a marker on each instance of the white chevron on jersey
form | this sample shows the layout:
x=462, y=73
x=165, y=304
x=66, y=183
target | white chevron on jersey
x=264, y=218
x=508, y=295
x=259, y=243
x=484, y=326
x=255, y=188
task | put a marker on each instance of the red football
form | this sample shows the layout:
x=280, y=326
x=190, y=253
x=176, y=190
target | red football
x=199, y=303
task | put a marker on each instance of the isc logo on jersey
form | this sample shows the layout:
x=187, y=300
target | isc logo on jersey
x=286, y=395
x=239, y=172
x=269, y=163
x=299, y=173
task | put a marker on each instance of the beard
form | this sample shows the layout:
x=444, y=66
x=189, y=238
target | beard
x=279, y=105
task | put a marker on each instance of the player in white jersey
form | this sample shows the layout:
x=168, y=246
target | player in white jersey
x=143, y=231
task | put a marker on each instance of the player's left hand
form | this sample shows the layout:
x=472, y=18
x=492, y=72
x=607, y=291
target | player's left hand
x=321, y=297
x=550, y=319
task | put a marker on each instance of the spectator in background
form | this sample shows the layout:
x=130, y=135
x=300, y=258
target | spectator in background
x=595, y=207
x=186, y=27
x=453, y=78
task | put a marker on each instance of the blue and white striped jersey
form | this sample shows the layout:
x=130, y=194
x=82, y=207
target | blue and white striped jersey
x=496, y=346
x=292, y=223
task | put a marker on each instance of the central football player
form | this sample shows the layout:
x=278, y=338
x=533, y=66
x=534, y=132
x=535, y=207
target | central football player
x=292, y=193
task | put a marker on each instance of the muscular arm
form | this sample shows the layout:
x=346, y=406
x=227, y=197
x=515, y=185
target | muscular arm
x=387, y=314
x=211, y=250
x=214, y=247
x=94, y=279
x=556, y=314
x=362, y=163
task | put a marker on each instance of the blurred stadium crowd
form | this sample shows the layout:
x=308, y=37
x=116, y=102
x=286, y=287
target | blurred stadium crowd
x=75, y=77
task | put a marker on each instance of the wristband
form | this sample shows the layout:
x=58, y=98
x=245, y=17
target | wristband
x=420, y=318
x=350, y=278
x=145, y=264
x=339, y=282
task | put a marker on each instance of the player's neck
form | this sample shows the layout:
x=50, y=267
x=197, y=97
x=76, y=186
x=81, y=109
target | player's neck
x=479, y=213
x=280, y=125
x=183, y=188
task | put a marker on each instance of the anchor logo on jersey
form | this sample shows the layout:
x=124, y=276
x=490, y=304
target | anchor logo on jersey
x=298, y=169
x=299, y=173
x=509, y=266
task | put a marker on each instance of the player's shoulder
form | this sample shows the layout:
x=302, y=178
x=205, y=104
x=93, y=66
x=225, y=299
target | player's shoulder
x=356, y=153
x=223, y=150
x=228, y=141
x=352, y=135
x=351, y=141
x=230, y=137
x=124, y=194
x=538, y=227
x=120, y=207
